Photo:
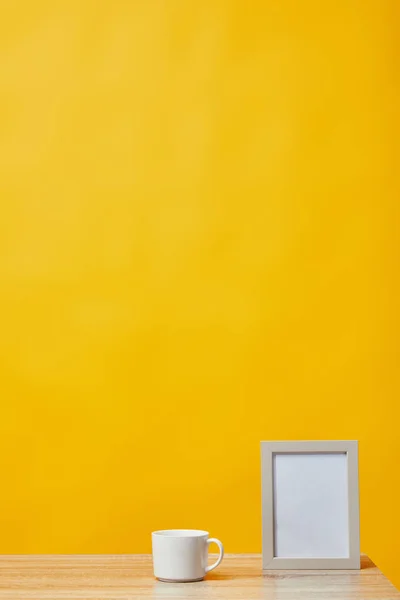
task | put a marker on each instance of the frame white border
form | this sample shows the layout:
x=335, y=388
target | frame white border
x=268, y=449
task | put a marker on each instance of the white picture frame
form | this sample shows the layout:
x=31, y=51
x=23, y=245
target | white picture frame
x=310, y=505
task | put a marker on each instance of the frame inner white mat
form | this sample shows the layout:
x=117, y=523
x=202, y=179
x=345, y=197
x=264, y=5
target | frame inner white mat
x=311, y=505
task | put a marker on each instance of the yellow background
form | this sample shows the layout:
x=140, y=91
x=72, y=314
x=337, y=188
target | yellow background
x=199, y=211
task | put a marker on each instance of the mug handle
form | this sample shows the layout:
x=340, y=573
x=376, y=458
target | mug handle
x=221, y=553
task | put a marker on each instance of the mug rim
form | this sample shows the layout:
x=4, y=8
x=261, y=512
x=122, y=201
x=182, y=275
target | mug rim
x=180, y=533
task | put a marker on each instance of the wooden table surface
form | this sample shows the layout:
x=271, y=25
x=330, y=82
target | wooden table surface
x=131, y=577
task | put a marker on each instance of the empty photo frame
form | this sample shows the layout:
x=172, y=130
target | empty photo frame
x=310, y=505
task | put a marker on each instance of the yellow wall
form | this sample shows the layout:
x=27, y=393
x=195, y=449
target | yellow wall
x=198, y=251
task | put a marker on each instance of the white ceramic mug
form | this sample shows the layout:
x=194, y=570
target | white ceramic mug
x=181, y=555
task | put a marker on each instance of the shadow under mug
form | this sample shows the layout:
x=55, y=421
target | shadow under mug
x=181, y=555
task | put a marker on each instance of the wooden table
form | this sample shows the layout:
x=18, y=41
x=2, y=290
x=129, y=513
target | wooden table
x=131, y=578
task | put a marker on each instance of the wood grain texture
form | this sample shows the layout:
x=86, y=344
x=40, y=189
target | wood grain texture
x=131, y=577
